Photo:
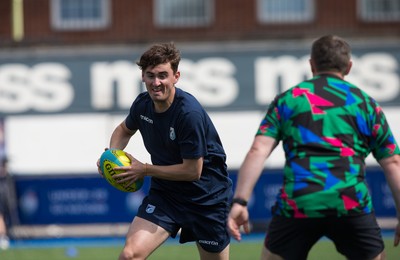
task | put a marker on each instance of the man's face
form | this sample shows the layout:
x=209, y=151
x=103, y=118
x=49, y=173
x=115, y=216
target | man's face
x=160, y=82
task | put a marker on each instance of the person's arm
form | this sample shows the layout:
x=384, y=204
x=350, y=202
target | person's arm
x=188, y=170
x=391, y=167
x=119, y=140
x=253, y=165
x=248, y=175
x=121, y=136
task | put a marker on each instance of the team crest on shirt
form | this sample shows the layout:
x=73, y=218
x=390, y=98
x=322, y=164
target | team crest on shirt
x=150, y=208
x=172, y=135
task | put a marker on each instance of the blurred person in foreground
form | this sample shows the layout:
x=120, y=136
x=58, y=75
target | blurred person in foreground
x=190, y=187
x=327, y=127
x=6, y=201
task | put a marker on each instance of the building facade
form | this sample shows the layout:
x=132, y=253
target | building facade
x=74, y=22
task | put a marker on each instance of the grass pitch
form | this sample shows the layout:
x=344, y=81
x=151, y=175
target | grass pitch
x=324, y=249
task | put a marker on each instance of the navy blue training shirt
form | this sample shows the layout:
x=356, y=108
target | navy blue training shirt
x=184, y=131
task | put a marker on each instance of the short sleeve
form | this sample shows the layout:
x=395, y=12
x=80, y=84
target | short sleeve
x=269, y=126
x=130, y=121
x=383, y=143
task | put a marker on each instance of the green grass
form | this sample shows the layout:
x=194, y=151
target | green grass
x=244, y=250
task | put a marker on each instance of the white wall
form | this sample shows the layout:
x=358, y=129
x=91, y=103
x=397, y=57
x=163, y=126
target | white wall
x=72, y=143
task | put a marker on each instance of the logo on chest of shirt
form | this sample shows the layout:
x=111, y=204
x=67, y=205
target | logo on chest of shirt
x=172, y=135
x=145, y=118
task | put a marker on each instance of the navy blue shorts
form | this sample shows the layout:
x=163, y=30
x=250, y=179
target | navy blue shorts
x=207, y=225
x=356, y=237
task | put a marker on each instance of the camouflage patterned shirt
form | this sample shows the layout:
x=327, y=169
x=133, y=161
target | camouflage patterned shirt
x=327, y=127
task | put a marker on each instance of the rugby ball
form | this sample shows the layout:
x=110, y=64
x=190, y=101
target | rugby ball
x=114, y=158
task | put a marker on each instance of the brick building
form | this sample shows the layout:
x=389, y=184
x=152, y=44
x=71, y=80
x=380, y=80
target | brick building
x=77, y=22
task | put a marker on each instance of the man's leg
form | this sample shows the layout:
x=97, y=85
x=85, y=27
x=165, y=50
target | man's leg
x=204, y=255
x=142, y=239
x=267, y=255
x=4, y=240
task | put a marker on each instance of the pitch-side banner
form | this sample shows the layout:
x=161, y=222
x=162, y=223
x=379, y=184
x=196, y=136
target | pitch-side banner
x=90, y=199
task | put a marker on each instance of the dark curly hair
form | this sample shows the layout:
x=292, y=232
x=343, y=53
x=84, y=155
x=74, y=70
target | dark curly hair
x=159, y=54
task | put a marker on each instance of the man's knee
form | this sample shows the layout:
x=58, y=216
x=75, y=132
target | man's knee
x=131, y=254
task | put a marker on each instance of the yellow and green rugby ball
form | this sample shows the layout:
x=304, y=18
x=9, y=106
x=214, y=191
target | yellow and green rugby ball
x=114, y=158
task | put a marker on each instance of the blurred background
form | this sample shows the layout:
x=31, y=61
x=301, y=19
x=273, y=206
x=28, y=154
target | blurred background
x=68, y=77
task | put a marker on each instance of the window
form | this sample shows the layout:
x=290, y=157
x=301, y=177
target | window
x=285, y=11
x=379, y=10
x=183, y=13
x=80, y=14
